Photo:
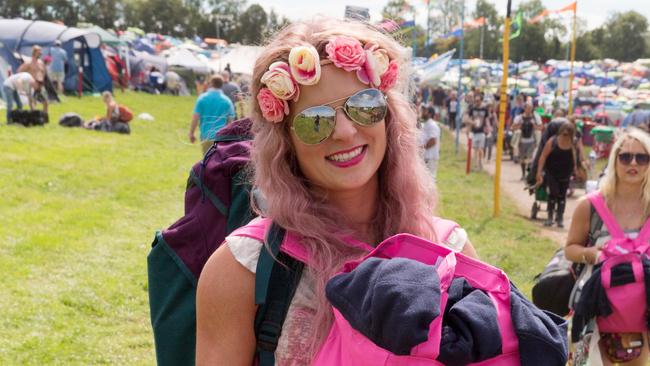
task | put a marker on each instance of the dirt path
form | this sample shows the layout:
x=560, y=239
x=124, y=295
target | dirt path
x=513, y=186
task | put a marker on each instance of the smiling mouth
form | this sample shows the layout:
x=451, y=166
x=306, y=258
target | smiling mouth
x=346, y=156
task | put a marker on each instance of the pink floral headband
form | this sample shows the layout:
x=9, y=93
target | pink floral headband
x=371, y=63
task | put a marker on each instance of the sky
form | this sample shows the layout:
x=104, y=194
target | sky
x=594, y=11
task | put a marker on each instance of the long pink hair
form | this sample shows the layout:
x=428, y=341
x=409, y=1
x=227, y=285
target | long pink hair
x=407, y=195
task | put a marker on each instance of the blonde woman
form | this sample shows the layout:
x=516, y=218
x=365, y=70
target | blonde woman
x=626, y=192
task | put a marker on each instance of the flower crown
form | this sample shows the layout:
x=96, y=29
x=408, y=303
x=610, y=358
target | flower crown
x=371, y=64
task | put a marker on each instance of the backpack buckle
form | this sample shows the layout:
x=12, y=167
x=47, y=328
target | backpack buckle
x=268, y=336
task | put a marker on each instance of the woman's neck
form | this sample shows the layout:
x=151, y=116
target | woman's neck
x=627, y=192
x=358, y=208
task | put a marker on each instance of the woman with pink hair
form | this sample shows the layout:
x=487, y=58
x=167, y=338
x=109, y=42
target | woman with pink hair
x=335, y=155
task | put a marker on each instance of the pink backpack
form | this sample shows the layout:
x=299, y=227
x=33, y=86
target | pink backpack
x=345, y=346
x=628, y=301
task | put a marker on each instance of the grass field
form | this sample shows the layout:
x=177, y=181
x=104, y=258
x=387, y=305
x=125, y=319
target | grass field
x=79, y=209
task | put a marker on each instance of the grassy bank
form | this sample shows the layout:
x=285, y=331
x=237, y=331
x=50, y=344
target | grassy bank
x=78, y=213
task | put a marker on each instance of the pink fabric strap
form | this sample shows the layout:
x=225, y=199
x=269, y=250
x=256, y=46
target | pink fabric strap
x=598, y=201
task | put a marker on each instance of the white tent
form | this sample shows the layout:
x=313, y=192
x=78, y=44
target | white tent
x=241, y=59
x=184, y=58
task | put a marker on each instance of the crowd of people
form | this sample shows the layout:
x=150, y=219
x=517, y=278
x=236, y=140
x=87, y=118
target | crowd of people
x=546, y=160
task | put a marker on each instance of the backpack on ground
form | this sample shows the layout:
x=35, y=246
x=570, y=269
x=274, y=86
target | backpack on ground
x=216, y=203
x=527, y=127
x=125, y=114
x=71, y=119
x=28, y=118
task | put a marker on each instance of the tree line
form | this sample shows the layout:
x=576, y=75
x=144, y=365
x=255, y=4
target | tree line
x=624, y=36
x=231, y=20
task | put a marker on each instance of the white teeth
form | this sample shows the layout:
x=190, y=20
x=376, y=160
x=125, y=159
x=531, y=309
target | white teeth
x=346, y=156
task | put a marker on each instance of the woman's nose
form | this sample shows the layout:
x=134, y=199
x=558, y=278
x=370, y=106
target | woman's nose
x=345, y=128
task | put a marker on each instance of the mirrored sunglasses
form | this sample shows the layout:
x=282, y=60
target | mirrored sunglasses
x=315, y=124
x=627, y=158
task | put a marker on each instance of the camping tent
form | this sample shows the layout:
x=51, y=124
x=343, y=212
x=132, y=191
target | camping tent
x=82, y=47
x=240, y=58
x=184, y=58
x=7, y=62
x=106, y=36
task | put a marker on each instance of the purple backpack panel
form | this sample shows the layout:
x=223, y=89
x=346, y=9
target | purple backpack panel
x=211, y=187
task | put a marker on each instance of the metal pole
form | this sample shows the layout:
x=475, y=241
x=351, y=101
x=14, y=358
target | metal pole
x=460, y=73
x=481, y=46
x=414, y=35
x=573, y=57
x=426, y=44
x=502, y=110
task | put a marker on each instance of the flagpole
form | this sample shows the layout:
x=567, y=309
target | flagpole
x=481, y=46
x=414, y=35
x=573, y=57
x=502, y=110
x=426, y=44
x=460, y=73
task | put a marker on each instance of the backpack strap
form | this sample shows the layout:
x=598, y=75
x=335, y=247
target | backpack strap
x=205, y=191
x=598, y=201
x=276, y=279
x=231, y=138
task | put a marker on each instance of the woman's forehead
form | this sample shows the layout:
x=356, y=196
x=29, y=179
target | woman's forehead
x=632, y=145
x=334, y=83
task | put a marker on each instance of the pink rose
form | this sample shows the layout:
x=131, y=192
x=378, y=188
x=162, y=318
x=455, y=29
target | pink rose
x=389, y=78
x=304, y=63
x=273, y=109
x=278, y=79
x=346, y=53
x=376, y=64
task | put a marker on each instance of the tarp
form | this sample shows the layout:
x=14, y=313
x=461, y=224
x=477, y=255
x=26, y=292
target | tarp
x=19, y=35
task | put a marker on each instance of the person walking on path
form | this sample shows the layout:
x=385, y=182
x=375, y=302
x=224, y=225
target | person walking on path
x=334, y=156
x=526, y=123
x=57, y=65
x=554, y=170
x=626, y=192
x=230, y=89
x=431, y=140
x=20, y=83
x=477, y=120
x=212, y=111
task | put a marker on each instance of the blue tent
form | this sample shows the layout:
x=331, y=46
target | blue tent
x=8, y=62
x=82, y=46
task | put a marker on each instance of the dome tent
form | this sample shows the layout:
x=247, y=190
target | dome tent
x=82, y=47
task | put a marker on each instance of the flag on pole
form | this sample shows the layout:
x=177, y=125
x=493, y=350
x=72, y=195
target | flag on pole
x=540, y=16
x=515, y=28
x=431, y=71
x=478, y=22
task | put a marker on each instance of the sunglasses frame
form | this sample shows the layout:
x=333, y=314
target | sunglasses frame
x=633, y=157
x=345, y=107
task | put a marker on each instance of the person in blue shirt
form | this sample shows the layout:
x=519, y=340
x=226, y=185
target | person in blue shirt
x=213, y=110
x=57, y=65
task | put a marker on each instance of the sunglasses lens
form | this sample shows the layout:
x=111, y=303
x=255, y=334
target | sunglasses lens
x=367, y=107
x=642, y=159
x=315, y=124
x=625, y=158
